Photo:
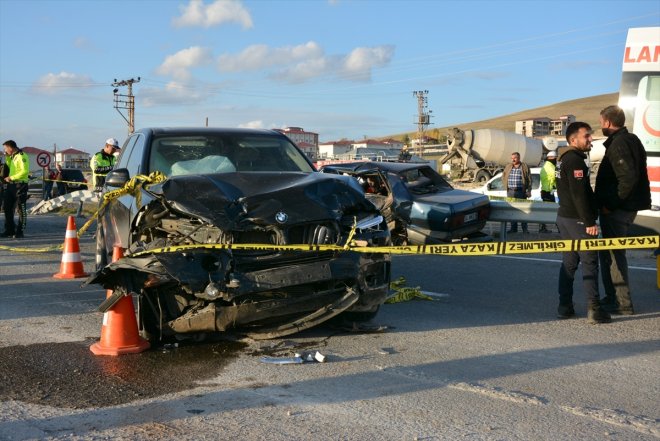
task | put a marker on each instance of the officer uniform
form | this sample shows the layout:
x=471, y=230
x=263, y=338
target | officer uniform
x=577, y=210
x=101, y=163
x=16, y=194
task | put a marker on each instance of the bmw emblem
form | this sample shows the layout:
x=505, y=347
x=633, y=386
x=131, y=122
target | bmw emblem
x=281, y=217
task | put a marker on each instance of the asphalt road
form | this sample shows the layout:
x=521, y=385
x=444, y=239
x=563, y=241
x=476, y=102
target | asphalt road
x=486, y=360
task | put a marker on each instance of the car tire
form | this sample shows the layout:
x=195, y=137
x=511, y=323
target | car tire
x=482, y=176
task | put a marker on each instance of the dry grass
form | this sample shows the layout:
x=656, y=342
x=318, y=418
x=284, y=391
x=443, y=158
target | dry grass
x=584, y=109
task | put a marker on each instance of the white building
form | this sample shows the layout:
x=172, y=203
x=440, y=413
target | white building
x=308, y=142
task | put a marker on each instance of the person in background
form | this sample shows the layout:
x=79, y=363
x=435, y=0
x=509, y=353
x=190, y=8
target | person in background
x=51, y=175
x=517, y=182
x=622, y=188
x=576, y=219
x=4, y=172
x=61, y=186
x=102, y=162
x=16, y=192
x=548, y=185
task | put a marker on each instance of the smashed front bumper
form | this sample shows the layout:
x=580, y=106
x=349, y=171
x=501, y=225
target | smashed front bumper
x=267, y=293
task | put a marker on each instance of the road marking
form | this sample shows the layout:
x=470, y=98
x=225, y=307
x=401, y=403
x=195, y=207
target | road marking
x=435, y=294
x=643, y=268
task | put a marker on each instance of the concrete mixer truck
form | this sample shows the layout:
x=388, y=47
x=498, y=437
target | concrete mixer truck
x=477, y=155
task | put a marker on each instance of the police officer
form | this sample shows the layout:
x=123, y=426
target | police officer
x=548, y=184
x=576, y=219
x=102, y=162
x=16, y=191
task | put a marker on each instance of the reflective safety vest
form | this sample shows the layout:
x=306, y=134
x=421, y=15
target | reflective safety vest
x=19, y=167
x=101, y=163
x=548, y=177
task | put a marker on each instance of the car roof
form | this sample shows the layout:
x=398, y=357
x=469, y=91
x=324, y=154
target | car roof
x=208, y=131
x=395, y=167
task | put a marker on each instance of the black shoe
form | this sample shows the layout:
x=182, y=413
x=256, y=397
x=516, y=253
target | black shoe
x=512, y=231
x=544, y=230
x=598, y=315
x=565, y=312
x=5, y=234
x=18, y=235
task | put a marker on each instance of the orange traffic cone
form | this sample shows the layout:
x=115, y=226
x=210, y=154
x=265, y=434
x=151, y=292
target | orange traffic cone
x=71, y=266
x=119, y=333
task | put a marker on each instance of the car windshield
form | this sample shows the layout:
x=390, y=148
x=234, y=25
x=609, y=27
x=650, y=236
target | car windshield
x=424, y=180
x=201, y=154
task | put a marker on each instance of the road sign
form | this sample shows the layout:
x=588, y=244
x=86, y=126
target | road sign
x=43, y=159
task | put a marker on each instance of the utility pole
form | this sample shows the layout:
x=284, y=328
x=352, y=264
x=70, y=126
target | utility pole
x=423, y=117
x=126, y=101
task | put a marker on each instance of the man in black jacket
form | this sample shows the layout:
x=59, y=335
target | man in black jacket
x=576, y=219
x=622, y=188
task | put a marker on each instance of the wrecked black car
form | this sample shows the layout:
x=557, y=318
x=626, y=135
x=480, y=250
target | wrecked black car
x=224, y=187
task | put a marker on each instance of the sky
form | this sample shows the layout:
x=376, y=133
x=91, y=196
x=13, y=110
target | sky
x=345, y=69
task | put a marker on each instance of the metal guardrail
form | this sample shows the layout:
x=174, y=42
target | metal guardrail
x=523, y=211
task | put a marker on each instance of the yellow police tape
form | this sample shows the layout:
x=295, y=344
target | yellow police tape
x=131, y=187
x=458, y=249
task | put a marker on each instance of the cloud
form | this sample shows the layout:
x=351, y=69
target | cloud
x=260, y=56
x=83, y=43
x=179, y=64
x=257, y=124
x=214, y=14
x=54, y=83
x=358, y=65
x=296, y=64
x=173, y=93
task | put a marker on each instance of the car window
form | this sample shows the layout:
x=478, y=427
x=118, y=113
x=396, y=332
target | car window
x=125, y=151
x=200, y=154
x=424, y=180
x=134, y=161
x=496, y=184
x=536, y=180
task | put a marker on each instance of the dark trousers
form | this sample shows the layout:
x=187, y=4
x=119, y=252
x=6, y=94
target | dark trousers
x=16, y=194
x=614, y=263
x=574, y=229
x=518, y=194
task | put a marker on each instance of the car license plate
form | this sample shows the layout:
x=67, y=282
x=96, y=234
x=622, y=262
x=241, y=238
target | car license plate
x=470, y=217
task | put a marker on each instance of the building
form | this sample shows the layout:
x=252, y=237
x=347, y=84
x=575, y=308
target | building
x=72, y=158
x=559, y=125
x=544, y=126
x=356, y=149
x=534, y=127
x=308, y=142
x=333, y=149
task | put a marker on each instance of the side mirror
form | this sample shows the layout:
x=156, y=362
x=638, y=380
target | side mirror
x=117, y=178
x=489, y=186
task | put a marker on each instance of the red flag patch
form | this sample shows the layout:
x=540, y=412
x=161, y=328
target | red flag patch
x=578, y=174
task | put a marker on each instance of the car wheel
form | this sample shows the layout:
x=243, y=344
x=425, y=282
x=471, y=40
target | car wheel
x=482, y=176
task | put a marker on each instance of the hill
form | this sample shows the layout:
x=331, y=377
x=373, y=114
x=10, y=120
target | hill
x=584, y=109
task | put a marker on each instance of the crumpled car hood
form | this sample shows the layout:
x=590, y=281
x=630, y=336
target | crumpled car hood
x=228, y=200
